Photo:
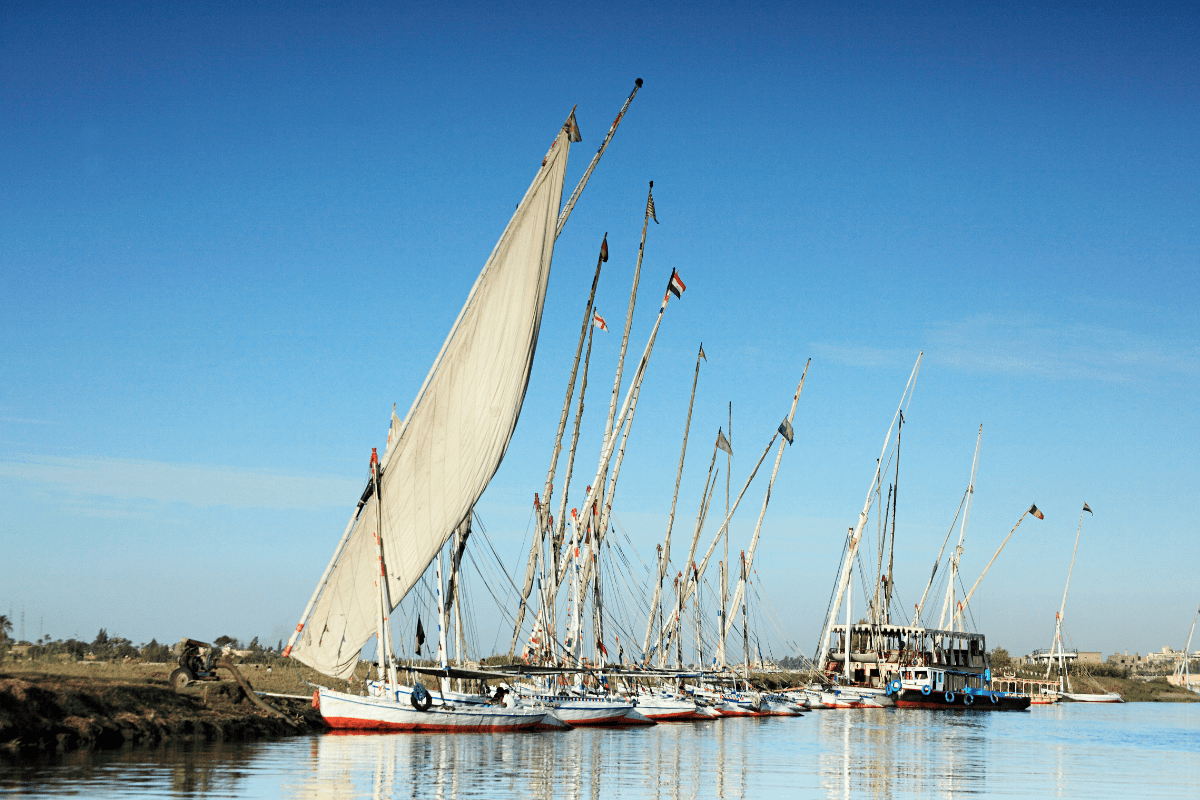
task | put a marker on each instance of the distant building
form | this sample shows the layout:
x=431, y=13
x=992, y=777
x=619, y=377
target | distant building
x=1127, y=661
x=1070, y=656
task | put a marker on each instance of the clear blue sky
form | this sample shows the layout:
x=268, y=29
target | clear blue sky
x=231, y=238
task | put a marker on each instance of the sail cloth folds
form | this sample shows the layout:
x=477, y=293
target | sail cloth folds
x=440, y=459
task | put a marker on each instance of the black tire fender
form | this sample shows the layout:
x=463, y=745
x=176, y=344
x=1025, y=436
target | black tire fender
x=421, y=699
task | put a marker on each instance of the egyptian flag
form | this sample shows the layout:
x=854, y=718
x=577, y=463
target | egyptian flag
x=420, y=635
x=650, y=204
x=1034, y=510
x=702, y=352
x=598, y=321
x=1085, y=508
x=604, y=248
x=676, y=286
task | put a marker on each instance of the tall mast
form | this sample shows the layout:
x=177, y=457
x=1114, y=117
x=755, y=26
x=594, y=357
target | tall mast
x=1062, y=609
x=887, y=603
x=387, y=670
x=958, y=613
x=542, y=519
x=849, y=603
x=748, y=558
x=920, y=607
x=724, y=525
x=665, y=551
x=721, y=657
x=962, y=532
x=595, y=491
x=745, y=625
x=587, y=173
x=441, y=609
x=857, y=531
x=637, y=274
x=559, y=534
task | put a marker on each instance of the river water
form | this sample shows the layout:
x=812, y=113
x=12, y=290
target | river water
x=1136, y=750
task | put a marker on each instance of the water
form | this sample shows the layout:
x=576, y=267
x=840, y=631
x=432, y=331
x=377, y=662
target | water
x=1074, y=750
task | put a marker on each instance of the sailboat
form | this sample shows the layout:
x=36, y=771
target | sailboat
x=438, y=461
x=1183, y=671
x=1064, y=677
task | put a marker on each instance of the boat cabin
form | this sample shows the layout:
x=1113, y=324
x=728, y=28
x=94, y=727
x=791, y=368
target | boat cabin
x=878, y=653
x=940, y=680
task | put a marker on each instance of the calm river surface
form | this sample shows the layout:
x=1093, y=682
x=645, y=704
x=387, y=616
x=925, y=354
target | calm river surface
x=1128, y=751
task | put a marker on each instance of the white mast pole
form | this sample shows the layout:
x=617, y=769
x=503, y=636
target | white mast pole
x=749, y=557
x=386, y=676
x=967, y=599
x=666, y=549
x=560, y=532
x=724, y=525
x=444, y=683
x=1063, y=608
x=724, y=564
x=745, y=624
x=849, y=603
x=587, y=173
x=857, y=531
x=597, y=487
x=547, y=492
x=962, y=532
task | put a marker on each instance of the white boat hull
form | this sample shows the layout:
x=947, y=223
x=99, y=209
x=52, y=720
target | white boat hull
x=666, y=709
x=353, y=712
x=581, y=711
x=1109, y=697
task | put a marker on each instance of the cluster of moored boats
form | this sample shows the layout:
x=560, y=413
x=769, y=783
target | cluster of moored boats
x=439, y=458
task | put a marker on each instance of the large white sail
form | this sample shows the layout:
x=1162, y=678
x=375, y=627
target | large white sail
x=450, y=444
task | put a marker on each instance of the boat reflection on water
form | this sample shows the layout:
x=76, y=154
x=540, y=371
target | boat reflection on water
x=902, y=752
x=669, y=762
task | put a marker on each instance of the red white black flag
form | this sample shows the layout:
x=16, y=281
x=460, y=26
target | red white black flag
x=1034, y=510
x=676, y=286
x=1085, y=508
x=604, y=248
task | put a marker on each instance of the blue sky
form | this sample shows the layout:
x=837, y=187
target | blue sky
x=231, y=238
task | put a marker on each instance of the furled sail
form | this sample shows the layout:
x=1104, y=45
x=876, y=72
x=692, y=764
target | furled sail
x=441, y=457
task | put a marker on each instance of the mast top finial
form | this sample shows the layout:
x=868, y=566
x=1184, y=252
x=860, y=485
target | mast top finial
x=651, y=184
x=638, y=82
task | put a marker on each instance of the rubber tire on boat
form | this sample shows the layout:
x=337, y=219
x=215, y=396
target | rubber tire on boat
x=925, y=689
x=421, y=699
x=180, y=678
x=994, y=699
x=949, y=697
x=893, y=687
x=968, y=699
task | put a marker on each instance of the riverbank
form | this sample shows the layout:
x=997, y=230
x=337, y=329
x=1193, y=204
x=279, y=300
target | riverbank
x=1132, y=690
x=51, y=710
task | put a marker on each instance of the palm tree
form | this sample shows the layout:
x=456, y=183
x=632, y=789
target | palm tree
x=5, y=627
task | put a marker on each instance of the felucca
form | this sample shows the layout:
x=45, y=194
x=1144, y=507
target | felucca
x=438, y=462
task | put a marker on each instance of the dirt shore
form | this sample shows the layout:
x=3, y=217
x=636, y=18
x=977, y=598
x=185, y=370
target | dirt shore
x=52, y=710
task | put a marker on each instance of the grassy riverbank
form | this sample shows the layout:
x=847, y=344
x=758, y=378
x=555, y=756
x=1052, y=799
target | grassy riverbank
x=66, y=706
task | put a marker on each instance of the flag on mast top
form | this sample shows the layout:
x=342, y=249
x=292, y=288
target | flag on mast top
x=598, y=321
x=676, y=286
x=1085, y=508
x=1034, y=510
